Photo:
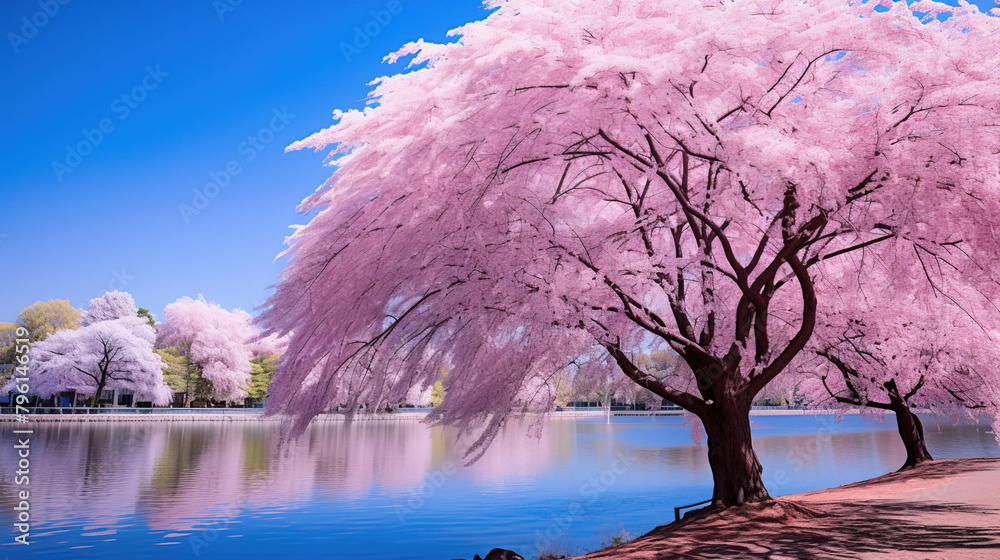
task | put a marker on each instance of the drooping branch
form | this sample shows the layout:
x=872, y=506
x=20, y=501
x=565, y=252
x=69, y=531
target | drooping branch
x=649, y=320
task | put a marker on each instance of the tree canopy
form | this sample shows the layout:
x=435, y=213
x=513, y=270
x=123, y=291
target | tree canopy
x=110, y=306
x=43, y=318
x=112, y=349
x=218, y=342
x=575, y=184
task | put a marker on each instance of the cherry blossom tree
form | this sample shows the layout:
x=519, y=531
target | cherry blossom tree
x=570, y=176
x=112, y=305
x=216, y=342
x=113, y=349
x=888, y=348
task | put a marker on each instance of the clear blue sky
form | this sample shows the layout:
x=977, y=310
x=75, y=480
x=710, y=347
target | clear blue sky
x=200, y=78
x=113, y=220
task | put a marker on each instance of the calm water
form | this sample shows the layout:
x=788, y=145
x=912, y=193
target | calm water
x=396, y=489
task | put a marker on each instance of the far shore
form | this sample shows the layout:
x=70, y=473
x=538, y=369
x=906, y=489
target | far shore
x=940, y=509
x=257, y=415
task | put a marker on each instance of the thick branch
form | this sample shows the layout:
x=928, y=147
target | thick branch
x=800, y=339
x=682, y=399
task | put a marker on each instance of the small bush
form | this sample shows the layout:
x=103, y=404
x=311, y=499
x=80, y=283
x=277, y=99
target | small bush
x=618, y=539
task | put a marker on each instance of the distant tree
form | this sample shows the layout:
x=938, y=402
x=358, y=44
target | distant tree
x=216, y=342
x=783, y=391
x=111, y=354
x=110, y=306
x=8, y=332
x=632, y=394
x=601, y=384
x=174, y=368
x=43, y=318
x=889, y=347
x=145, y=314
x=261, y=373
x=562, y=384
x=439, y=390
x=183, y=376
x=7, y=336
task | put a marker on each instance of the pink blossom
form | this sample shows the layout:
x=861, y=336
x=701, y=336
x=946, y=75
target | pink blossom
x=570, y=178
x=217, y=340
x=112, y=305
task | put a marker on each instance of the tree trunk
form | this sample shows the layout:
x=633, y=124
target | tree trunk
x=735, y=468
x=187, y=384
x=912, y=433
x=97, y=395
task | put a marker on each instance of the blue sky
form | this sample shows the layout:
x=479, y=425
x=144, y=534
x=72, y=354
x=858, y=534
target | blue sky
x=200, y=78
x=207, y=85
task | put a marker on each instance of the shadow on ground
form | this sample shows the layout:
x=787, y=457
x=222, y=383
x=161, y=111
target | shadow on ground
x=832, y=529
x=932, y=471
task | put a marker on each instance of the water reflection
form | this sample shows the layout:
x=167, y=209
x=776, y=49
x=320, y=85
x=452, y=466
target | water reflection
x=91, y=480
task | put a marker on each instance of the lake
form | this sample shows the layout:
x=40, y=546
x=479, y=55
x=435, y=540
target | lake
x=396, y=489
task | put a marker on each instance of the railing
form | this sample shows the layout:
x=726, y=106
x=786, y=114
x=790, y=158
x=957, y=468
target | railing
x=618, y=409
x=677, y=510
x=133, y=410
x=125, y=410
x=5, y=409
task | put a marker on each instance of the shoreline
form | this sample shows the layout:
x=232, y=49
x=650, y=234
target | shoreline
x=196, y=417
x=940, y=509
x=257, y=415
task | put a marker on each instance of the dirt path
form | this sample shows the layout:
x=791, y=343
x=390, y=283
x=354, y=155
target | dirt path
x=943, y=509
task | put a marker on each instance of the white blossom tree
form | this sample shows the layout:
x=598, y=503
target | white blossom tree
x=112, y=349
x=112, y=305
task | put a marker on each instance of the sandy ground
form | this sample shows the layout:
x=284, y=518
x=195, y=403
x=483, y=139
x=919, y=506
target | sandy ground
x=942, y=509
